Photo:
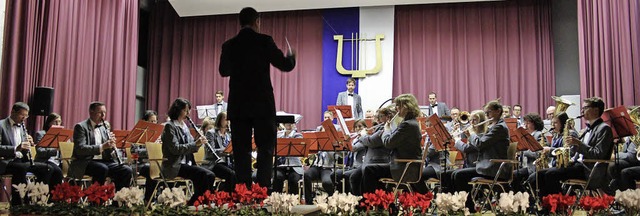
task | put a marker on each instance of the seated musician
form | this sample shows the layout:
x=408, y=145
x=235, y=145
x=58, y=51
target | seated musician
x=376, y=153
x=404, y=143
x=492, y=145
x=218, y=135
x=534, y=126
x=558, y=127
x=178, y=147
x=354, y=158
x=595, y=143
x=627, y=158
x=289, y=168
x=321, y=168
x=92, y=150
x=469, y=148
x=50, y=156
x=15, y=145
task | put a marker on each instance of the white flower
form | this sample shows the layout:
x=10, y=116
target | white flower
x=446, y=202
x=130, y=197
x=172, y=197
x=21, y=188
x=281, y=203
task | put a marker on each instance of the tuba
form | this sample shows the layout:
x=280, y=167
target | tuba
x=561, y=105
x=634, y=114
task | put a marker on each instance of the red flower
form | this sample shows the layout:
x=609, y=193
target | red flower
x=98, y=194
x=66, y=193
x=379, y=199
x=558, y=201
x=593, y=204
x=415, y=200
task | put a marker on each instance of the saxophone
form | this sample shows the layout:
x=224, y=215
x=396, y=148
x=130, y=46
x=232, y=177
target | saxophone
x=563, y=153
x=543, y=161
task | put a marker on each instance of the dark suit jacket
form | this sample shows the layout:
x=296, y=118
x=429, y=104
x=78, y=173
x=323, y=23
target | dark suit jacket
x=404, y=143
x=599, y=145
x=469, y=149
x=8, y=143
x=357, y=103
x=174, y=146
x=246, y=59
x=493, y=145
x=85, y=147
x=376, y=152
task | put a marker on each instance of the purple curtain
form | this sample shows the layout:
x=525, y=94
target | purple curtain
x=185, y=52
x=85, y=50
x=470, y=53
x=609, y=43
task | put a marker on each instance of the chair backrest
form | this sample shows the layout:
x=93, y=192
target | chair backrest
x=199, y=155
x=66, y=152
x=512, y=150
x=154, y=151
x=452, y=157
x=128, y=151
x=32, y=151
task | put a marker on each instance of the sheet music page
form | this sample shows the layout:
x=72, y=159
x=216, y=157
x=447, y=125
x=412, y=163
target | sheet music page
x=395, y=121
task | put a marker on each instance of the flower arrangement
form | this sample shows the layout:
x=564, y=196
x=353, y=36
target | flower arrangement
x=67, y=193
x=243, y=201
x=38, y=193
x=630, y=200
x=97, y=194
x=173, y=197
x=449, y=204
x=132, y=198
x=377, y=201
x=559, y=203
x=411, y=203
x=338, y=203
x=595, y=205
x=510, y=203
x=282, y=203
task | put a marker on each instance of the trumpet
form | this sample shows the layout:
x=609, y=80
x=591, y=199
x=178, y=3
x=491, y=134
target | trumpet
x=24, y=129
x=114, y=153
x=216, y=158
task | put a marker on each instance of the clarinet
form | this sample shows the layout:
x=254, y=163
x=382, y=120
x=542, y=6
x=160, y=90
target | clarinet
x=114, y=153
x=24, y=129
x=216, y=158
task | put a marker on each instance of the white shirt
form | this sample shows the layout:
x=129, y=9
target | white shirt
x=435, y=109
x=350, y=102
x=97, y=137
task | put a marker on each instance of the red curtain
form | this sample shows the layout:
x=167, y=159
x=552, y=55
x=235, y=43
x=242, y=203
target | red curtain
x=184, y=58
x=609, y=41
x=85, y=50
x=474, y=52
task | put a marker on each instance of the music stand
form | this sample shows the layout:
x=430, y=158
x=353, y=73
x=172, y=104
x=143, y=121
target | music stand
x=526, y=141
x=290, y=147
x=144, y=132
x=621, y=126
x=229, y=148
x=350, y=124
x=121, y=136
x=422, y=121
x=206, y=111
x=620, y=122
x=337, y=140
x=344, y=109
x=512, y=125
x=317, y=141
x=54, y=136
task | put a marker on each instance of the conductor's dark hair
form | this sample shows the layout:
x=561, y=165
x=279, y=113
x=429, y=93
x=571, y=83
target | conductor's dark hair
x=248, y=16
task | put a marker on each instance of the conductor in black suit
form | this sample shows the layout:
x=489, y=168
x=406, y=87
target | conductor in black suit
x=246, y=58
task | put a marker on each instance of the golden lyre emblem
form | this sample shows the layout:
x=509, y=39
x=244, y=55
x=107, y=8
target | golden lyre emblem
x=357, y=73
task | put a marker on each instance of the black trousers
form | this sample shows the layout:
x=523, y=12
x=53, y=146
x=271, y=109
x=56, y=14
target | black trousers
x=202, y=180
x=461, y=179
x=264, y=131
x=371, y=175
x=19, y=170
x=292, y=177
x=615, y=172
x=628, y=178
x=553, y=176
x=224, y=172
x=315, y=173
x=55, y=176
x=519, y=178
x=355, y=181
x=427, y=173
x=120, y=174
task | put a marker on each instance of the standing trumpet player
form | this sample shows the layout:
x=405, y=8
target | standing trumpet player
x=92, y=148
x=14, y=148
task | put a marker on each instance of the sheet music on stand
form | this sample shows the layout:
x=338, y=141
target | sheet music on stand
x=144, y=132
x=317, y=141
x=337, y=140
x=206, y=111
x=284, y=117
x=54, y=136
x=619, y=121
